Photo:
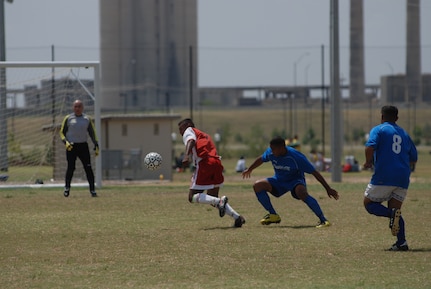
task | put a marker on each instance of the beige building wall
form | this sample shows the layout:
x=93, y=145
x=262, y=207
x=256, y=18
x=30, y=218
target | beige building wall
x=135, y=136
x=125, y=140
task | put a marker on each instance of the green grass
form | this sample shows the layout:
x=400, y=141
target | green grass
x=149, y=236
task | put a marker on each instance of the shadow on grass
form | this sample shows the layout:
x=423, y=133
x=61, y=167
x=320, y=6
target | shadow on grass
x=221, y=228
x=263, y=226
x=419, y=250
x=291, y=227
x=416, y=250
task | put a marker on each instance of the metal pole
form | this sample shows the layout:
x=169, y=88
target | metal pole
x=98, y=124
x=323, y=98
x=191, y=80
x=295, y=72
x=54, y=128
x=336, y=117
x=4, y=163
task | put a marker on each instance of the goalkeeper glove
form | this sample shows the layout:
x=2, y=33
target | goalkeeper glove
x=69, y=146
x=96, y=149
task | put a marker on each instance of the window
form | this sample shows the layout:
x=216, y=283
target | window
x=124, y=129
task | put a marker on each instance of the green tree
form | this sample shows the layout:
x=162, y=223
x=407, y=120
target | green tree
x=426, y=133
x=417, y=135
x=257, y=140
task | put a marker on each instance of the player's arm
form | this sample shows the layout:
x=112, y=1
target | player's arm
x=63, y=132
x=63, y=129
x=330, y=191
x=188, y=152
x=92, y=131
x=369, y=153
x=247, y=172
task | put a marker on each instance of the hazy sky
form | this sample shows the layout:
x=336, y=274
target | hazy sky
x=241, y=42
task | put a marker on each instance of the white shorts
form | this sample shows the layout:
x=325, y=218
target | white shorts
x=385, y=193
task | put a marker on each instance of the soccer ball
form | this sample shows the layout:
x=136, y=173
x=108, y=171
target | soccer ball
x=153, y=161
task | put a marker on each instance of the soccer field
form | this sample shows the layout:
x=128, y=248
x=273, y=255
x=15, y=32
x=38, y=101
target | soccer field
x=149, y=236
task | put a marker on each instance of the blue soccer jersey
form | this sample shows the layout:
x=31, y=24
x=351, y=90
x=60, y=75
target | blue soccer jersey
x=289, y=167
x=393, y=152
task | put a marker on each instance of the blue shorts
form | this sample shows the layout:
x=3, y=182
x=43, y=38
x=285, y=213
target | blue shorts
x=280, y=188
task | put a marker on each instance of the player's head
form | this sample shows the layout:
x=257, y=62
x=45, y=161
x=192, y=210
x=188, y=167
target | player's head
x=78, y=107
x=184, y=124
x=278, y=146
x=389, y=113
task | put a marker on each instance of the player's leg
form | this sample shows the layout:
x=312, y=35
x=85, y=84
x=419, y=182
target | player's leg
x=396, y=223
x=198, y=196
x=84, y=156
x=373, y=198
x=71, y=160
x=261, y=189
x=222, y=205
x=208, y=176
x=300, y=192
x=227, y=207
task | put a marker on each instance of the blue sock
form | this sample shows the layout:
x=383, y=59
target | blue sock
x=401, y=237
x=314, y=206
x=263, y=198
x=378, y=210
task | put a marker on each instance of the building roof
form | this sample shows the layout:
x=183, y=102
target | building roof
x=140, y=116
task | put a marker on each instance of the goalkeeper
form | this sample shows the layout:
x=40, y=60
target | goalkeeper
x=73, y=133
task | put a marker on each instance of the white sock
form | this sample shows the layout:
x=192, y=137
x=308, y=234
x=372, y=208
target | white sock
x=205, y=199
x=231, y=212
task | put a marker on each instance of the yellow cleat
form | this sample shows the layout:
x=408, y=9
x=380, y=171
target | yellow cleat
x=323, y=224
x=270, y=218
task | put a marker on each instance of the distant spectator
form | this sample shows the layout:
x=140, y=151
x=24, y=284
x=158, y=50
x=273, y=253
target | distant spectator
x=240, y=165
x=317, y=160
x=294, y=143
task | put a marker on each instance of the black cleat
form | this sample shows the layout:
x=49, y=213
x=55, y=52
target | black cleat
x=402, y=247
x=239, y=222
x=222, y=206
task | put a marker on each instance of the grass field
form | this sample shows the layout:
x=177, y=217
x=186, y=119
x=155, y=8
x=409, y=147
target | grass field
x=149, y=236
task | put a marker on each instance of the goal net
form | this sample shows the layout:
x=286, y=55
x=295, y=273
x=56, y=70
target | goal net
x=34, y=99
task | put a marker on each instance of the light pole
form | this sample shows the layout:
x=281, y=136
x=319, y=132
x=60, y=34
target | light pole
x=307, y=126
x=4, y=164
x=295, y=64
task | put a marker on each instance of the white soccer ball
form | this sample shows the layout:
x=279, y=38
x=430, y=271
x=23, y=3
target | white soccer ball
x=153, y=161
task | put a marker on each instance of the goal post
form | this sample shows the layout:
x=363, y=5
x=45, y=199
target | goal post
x=34, y=98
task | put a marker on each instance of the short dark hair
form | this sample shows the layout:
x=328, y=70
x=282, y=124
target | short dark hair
x=389, y=113
x=188, y=121
x=278, y=141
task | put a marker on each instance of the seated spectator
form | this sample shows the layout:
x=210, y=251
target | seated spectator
x=240, y=165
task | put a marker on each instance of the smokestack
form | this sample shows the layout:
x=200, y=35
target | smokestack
x=413, y=61
x=357, y=74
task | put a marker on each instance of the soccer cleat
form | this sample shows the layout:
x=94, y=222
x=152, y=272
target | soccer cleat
x=402, y=247
x=239, y=222
x=66, y=192
x=323, y=224
x=270, y=218
x=93, y=194
x=394, y=221
x=222, y=206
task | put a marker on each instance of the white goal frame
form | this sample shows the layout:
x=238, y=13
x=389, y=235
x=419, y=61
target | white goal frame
x=97, y=111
